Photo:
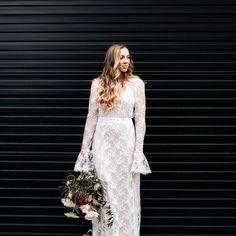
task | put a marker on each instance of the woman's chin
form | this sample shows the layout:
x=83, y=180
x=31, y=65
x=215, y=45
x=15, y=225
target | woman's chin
x=124, y=70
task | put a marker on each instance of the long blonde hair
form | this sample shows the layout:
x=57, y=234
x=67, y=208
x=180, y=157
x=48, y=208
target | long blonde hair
x=112, y=80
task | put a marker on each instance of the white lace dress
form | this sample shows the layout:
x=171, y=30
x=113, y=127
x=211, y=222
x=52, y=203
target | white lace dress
x=118, y=159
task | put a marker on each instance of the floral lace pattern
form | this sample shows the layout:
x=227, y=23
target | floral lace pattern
x=140, y=164
x=84, y=161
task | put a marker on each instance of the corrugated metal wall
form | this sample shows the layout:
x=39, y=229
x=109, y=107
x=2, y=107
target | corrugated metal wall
x=184, y=50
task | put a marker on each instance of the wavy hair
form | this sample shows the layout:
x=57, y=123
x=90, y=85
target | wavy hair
x=112, y=80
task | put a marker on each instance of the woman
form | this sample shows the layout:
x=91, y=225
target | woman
x=116, y=97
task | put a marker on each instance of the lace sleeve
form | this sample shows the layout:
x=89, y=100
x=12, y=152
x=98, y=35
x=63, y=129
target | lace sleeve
x=140, y=163
x=84, y=160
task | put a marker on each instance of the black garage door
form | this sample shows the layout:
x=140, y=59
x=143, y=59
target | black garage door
x=184, y=50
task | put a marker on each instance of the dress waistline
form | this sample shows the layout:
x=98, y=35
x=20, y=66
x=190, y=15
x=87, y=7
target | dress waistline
x=113, y=117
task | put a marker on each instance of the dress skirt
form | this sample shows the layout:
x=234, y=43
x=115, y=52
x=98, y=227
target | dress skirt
x=113, y=147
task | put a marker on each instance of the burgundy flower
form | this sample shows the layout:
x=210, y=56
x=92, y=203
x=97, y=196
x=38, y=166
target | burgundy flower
x=81, y=200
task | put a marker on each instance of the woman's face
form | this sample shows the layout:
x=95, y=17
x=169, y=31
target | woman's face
x=124, y=60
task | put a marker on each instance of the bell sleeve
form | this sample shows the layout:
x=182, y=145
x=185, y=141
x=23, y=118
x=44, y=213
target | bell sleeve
x=140, y=163
x=84, y=162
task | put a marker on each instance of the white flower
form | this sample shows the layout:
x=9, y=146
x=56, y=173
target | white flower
x=96, y=187
x=70, y=194
x=91, y=215
x=67, y=202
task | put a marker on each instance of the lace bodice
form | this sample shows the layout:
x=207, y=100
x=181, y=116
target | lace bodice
x=132, y=103
x=125, y=107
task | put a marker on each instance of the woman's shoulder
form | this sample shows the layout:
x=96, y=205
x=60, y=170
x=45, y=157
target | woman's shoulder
x=95, y=81
x=134, y=78
x=137, y=80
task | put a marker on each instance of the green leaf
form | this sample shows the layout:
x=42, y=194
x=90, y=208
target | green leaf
x=71, y=215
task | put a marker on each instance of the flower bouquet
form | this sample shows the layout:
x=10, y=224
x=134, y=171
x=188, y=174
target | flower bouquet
x=83, y=192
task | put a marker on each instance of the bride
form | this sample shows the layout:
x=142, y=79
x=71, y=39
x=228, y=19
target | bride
x=117, y=98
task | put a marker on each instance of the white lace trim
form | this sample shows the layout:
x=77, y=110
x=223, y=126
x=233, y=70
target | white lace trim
x=84, y=161
x=140, y=164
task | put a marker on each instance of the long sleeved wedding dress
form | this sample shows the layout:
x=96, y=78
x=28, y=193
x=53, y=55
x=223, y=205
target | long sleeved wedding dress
x=118, y=158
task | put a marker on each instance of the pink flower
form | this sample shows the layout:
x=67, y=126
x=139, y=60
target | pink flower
x=91, y=215
x=85, y=208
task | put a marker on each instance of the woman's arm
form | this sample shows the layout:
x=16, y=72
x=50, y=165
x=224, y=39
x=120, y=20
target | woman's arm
x=84, y=159
x=140, y=163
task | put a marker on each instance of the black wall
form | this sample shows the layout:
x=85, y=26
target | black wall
x=184, y=50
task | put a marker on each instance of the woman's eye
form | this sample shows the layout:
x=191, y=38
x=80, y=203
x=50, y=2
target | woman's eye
x=123, y=57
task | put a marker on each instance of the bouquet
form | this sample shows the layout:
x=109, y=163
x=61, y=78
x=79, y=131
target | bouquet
x=83, y=192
